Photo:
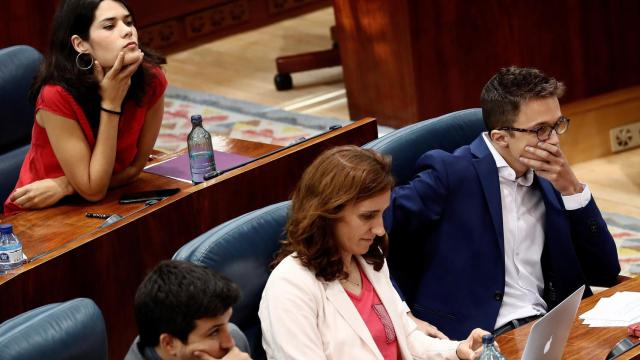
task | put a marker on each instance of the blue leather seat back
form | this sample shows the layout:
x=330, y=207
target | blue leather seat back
x=447, y=132
x=242, y=249
x=71, y=330
x=18, y=66
x=10, y=164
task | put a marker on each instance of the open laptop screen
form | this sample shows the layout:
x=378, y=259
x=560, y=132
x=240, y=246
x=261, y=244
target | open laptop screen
x=549, y=334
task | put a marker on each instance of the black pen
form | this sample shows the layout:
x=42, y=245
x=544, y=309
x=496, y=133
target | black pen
x=97, y=215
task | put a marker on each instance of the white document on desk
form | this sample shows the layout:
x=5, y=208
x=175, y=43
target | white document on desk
x=621, y=309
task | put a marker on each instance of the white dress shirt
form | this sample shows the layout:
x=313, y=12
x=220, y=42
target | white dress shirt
x=523, y=214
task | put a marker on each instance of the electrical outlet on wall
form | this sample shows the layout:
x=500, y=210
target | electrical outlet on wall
x=625, y=137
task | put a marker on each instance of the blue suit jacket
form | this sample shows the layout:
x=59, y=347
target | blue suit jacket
x=447, y=245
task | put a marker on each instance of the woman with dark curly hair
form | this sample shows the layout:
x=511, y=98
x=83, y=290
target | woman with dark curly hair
x=330, y=289
x=98, y=107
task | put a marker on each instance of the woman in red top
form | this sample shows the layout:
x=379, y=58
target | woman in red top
x=99, y=105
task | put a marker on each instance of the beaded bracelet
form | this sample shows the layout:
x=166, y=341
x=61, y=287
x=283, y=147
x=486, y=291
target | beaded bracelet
x=111, y=111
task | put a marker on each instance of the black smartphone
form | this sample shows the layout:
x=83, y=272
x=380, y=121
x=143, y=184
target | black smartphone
x=621, y=347
x=145, y=196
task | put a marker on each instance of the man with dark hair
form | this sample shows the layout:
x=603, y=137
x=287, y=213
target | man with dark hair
x=505, y=230
x=183, y=311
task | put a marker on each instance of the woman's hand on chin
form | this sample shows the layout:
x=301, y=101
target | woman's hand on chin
x=132, y=57
x=115, y=83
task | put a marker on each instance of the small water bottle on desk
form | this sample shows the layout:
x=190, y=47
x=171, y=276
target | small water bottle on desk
x=200, y=148
x=10, y=249
x=489, y=351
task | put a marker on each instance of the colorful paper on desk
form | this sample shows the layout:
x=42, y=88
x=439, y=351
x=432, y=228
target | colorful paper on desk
x=178, y=167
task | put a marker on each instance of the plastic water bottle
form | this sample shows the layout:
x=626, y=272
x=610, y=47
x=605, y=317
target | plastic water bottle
x=10, y=249
x=489, y=352
x=201, y=158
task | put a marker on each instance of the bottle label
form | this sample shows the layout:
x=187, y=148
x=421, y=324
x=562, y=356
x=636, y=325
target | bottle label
x=201, y=163
x=10, y=256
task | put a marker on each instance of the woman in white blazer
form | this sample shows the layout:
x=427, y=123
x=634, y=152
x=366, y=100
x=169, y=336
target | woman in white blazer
x=330, y=295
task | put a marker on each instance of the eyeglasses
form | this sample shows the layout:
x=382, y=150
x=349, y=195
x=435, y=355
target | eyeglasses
x=544, y=132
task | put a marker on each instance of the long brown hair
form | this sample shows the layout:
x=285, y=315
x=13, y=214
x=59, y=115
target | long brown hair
x=74, y=17
x=338, y=177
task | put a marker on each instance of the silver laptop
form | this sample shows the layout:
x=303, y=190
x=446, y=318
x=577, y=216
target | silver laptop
x=549, y=334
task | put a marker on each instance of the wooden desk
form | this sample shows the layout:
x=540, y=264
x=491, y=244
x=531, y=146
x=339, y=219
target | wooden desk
x=71, y=258
x=48, y=233
x=583, y=342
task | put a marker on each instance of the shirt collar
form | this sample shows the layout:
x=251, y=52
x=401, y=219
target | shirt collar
x=504, y=170
x=149, y=353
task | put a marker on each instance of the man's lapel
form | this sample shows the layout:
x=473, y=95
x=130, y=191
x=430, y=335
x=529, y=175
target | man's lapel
x=548, y=194
x=487, y=172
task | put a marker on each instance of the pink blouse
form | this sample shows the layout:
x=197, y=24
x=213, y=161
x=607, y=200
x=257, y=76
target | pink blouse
x=376, y=318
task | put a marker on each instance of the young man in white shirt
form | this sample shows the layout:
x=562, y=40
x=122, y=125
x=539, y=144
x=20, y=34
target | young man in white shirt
x=501, y=230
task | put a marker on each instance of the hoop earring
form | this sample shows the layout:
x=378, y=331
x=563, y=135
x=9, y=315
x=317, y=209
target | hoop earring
x=87, y=67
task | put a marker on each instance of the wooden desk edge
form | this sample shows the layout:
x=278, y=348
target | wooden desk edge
x=89, y=236
x=287, y=151
x=507, y=340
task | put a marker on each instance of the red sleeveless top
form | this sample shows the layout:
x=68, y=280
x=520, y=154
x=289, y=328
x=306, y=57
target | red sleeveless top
x=41, y=162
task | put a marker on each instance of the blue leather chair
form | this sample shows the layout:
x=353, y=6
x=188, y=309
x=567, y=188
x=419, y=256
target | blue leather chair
x=71, y=330
x=18, y=66
x=447, y=132
x=242, y=249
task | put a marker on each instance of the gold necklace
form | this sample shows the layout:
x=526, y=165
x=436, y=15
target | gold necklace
x=357, y=284
x=351, y=282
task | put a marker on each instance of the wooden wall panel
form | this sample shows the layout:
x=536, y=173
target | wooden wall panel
x=376, y=49
x=164, y=25
x=441, y=53
x=26, y=22
x=591, y=119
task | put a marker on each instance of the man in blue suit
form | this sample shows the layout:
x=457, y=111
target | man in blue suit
x=500, y=231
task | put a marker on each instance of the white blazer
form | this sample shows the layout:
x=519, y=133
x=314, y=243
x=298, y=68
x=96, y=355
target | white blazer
x=305, y=318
